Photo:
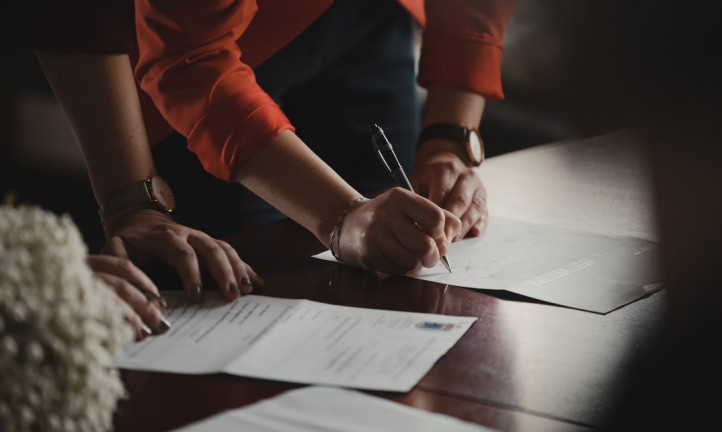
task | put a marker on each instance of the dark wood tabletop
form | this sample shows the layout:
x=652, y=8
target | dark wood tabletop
x=525, y=365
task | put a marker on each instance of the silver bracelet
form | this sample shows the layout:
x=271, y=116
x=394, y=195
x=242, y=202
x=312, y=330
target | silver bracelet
x=339, y=224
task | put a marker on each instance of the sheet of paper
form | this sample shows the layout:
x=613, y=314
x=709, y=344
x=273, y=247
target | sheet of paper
x=583, y=270
x=298, y=341
x=314, y=409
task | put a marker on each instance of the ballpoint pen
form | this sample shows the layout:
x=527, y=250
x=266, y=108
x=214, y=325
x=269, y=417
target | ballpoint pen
x=386, y=155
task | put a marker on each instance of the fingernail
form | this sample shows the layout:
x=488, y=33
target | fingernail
x=146, y=330
x=261, y=282
x=162, y=302
x=247, y=286
x=195, y=294
x=233, y=288
x=164, y=325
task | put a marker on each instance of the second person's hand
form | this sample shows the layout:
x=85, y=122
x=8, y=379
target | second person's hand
x=444, y=178
x=397, y=232
x=147, y=234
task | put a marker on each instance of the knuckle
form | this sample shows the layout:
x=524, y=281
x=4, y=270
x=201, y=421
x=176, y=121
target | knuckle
x=438, y=217
x=224, y=245
x=461, y=200
x=477, y=201
x=185, y=254
x=126, y=264
x=428, y=246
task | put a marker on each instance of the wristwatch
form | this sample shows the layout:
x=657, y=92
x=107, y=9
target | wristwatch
x=465, y=136
x=154, y=191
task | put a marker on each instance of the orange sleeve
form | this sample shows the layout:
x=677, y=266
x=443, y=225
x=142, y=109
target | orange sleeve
x=190, y=65
x=462, y=44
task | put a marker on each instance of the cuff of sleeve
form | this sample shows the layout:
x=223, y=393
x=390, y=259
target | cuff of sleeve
x=234, y=130
x=470, y=61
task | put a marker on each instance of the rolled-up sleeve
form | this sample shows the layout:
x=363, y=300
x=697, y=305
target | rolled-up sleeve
x=462, y=44
x=190, y=65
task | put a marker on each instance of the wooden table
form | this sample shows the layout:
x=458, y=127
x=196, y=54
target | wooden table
x=523, y=366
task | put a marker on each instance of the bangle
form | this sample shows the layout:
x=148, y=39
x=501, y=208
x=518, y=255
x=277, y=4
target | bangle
x=339, y=223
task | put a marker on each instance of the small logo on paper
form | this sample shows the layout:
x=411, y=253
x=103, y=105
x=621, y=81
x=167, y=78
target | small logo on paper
x=434, y=326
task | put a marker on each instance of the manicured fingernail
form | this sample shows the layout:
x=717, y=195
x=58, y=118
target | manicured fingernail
x=233, y=288
x=246, y=285
x=195, y=294
x=146, y=330
x=162, y=302
x=261, y=282
x=164, y=325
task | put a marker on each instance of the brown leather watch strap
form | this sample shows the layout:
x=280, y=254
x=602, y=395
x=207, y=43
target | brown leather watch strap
x=447, y=131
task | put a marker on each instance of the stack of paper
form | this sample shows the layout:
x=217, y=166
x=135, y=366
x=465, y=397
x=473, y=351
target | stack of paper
x=298, y=341
x=579, y=269
x=314, y=409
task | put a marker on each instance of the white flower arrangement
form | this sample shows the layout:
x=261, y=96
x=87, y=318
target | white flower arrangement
x=60, y=328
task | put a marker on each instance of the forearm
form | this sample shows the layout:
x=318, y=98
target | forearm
x=288, y=175
x=446, y=104
x=99, y=98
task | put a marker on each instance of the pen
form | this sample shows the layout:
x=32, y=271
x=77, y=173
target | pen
x=388, y=159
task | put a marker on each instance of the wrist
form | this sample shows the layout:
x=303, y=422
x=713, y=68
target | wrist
x=139, y=212
x=329, y=221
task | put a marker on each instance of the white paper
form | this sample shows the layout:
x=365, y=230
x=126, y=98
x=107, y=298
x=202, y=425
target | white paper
x=584, y=270
x=318, y=409
x=298, y=341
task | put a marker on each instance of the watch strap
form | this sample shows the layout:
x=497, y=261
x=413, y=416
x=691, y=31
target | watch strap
x=447, y=131
x=133, y=195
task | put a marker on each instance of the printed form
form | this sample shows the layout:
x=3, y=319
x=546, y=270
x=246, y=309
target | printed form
x=579, y=269
x=298, y=341
x=314, y=409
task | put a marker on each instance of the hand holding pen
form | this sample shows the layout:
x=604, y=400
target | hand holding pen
x=397, y=232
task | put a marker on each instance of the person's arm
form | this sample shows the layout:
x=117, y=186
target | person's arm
x=192, y=67
x=99, y=97
x=460, y=66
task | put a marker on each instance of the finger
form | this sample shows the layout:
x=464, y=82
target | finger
x=421, y=211
x=148, y=313
x=175, y=250
x=216, y=261
x=452, y=228
x=240, y=269
x=125, y=269
x=114, y=246
x=416, y=241
x=141, y=330
x=257, y=280
x=480, y=228
x=464, y=189
x=395, y=258
x=473, y=215
x=440, y=185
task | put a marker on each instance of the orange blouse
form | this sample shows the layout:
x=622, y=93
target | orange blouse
x=196, y=62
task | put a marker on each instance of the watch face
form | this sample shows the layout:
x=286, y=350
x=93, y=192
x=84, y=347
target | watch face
x=476, y=147
x=162, y=193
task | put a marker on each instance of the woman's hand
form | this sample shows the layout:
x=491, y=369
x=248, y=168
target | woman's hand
x=148, y=234
x=123, y=277
x=397, y=232
x=444, y=178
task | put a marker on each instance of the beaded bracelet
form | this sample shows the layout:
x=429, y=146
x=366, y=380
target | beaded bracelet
x=339, y=223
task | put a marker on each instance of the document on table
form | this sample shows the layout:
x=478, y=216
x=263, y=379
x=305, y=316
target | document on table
x=298, y=341
x=578, y=269
x=313, y=409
